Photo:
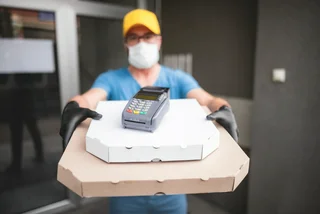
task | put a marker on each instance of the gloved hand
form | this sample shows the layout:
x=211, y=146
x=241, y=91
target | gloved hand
x=225, y=117
x=72, y=116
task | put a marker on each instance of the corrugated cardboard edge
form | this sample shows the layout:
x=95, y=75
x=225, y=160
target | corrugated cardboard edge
x=67, y=178
x=153, y=187
x=241, y=174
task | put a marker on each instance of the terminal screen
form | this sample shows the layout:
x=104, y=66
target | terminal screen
x=147, y=96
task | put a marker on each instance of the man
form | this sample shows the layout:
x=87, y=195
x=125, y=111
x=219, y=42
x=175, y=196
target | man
x=142, y=41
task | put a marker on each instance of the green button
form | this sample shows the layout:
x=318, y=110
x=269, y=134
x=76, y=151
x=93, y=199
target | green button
x=143, y=112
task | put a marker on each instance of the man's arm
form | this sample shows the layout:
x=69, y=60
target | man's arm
x=191, y=89
x=206, y=99
x=224, y=116
x=78, y=109
x=90, y=98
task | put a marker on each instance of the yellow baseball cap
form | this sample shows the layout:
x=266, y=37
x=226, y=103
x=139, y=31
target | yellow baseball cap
x=141, y=17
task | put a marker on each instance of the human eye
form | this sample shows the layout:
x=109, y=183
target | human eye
x=149, y=37
x=132, y=37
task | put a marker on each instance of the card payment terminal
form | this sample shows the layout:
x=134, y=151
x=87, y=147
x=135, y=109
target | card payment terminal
x=146, y=108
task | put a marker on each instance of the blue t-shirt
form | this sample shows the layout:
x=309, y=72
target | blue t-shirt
x=120, y=84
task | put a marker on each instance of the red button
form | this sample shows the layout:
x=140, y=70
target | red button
x=129, y=110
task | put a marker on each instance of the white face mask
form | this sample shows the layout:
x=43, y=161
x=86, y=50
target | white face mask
x=143, y=55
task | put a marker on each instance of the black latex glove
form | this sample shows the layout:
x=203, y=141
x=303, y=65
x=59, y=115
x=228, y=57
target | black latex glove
x=72, y=116
x=225, y=117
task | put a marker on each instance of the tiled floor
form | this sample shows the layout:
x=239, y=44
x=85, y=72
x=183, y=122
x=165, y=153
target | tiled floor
x=196, y=206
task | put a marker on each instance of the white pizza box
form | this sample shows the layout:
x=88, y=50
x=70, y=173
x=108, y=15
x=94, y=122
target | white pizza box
x=183, y=134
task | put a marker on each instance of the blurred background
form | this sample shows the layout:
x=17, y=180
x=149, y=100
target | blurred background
x=263, y=56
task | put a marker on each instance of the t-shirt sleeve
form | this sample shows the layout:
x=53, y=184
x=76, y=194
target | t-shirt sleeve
x=186, y=82
x=104, y=81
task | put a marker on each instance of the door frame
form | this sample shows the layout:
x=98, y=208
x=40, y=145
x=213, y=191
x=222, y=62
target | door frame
x=66, y=12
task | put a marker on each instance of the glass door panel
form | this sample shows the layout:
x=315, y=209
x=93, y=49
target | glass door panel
x=29, y=111
x=100, y=48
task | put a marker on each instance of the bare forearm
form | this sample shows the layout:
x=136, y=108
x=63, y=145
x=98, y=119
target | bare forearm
x=207, y=99
x=90, y=99
x=216, y=102
x=82, y=101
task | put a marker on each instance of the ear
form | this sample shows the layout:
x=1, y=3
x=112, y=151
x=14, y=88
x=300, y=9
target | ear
x=159, y=42
x=126, y=49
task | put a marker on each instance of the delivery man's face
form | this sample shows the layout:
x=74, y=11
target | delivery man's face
x=141, y=33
